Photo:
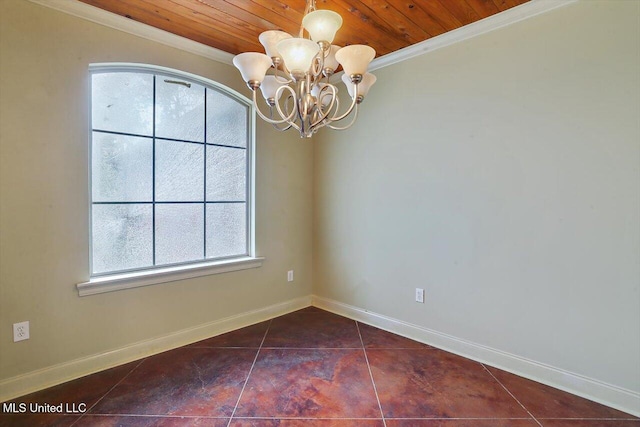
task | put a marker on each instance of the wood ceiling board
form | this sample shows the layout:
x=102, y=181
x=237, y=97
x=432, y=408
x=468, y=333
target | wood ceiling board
x=505, y=4
x=402, y=28
x=484, y=7
x=418, y=16
x=361, y=22
x=462, y=11
x=225, y=12
x=140, y=11
x=184, y=16
x=233, y=26
x=291, y=10
x=440, y=13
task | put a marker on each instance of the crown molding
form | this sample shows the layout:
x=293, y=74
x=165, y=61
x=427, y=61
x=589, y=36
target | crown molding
x=112, y=20
x=491, y=23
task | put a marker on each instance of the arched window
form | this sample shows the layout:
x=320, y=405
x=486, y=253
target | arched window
x=171, y=157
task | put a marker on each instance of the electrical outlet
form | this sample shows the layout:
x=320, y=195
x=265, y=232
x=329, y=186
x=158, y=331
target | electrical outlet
x=419, y=295
x=21, y=331
x=290, y=276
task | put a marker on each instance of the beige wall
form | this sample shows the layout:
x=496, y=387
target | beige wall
x=44, y=199
x=500, y=174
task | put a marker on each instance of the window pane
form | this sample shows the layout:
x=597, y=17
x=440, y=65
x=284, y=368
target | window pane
x=179, y=110
x=179, y=232
x=226, y=174
x=122, y=102
x=226, y=229
x=122, y=237
x=227, y=122
x=121, y=168
x=179, y=171
x=162, y=195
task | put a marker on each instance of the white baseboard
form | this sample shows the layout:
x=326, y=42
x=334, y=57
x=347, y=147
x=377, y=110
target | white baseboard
x=589, y=388
x=58, y=374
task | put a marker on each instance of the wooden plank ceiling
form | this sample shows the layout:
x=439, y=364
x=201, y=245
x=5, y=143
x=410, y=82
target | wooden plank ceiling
x=234, y=25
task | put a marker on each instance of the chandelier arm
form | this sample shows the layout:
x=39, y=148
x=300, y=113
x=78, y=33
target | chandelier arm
x=324, y=115
x=335, y=108
x=291, y=99
x=319, y=125
x=289, y=118
x=275, y=126
x=355, y=116
x=265, y=118
x=317, y=65
x=291, y=123
x=314, y=116
x=284, y=80
x=285, y=71
x=334, y=99
x=304, y=104
x=282, y=129
x=350, y=109
x=337, y=102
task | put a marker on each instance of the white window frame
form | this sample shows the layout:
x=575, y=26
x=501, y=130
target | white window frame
x=163, y=274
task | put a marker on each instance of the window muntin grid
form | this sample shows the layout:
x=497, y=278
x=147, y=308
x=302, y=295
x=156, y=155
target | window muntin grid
x=151, y=212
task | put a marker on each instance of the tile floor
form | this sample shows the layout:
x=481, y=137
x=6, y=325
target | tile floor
x=312, y=368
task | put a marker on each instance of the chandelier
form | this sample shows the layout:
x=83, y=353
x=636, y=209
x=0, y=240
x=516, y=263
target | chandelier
x=298, y=90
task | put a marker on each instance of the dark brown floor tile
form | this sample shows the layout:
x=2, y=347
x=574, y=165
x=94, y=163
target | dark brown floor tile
x=313, y=330
x=435, y=384
x=118, y=421
x=73, y=394
x=377, y=338
x=590, y=423
x=305, y=423
x=186, y=381
x=251, y=336
x=464, y=423
x=309, y=383
x=547, y=402
x=36, y=420
x=310, y=310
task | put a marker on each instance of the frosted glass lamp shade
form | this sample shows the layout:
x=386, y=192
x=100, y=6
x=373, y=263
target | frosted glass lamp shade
x=297, y=53
x=355, y=58
x=330, y=61
x=368, y=80
x=269, y=86
x=322, y=25
x=252, y=65
x=269, y=39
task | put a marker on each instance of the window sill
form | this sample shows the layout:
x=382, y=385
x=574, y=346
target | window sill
x=116, y=282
